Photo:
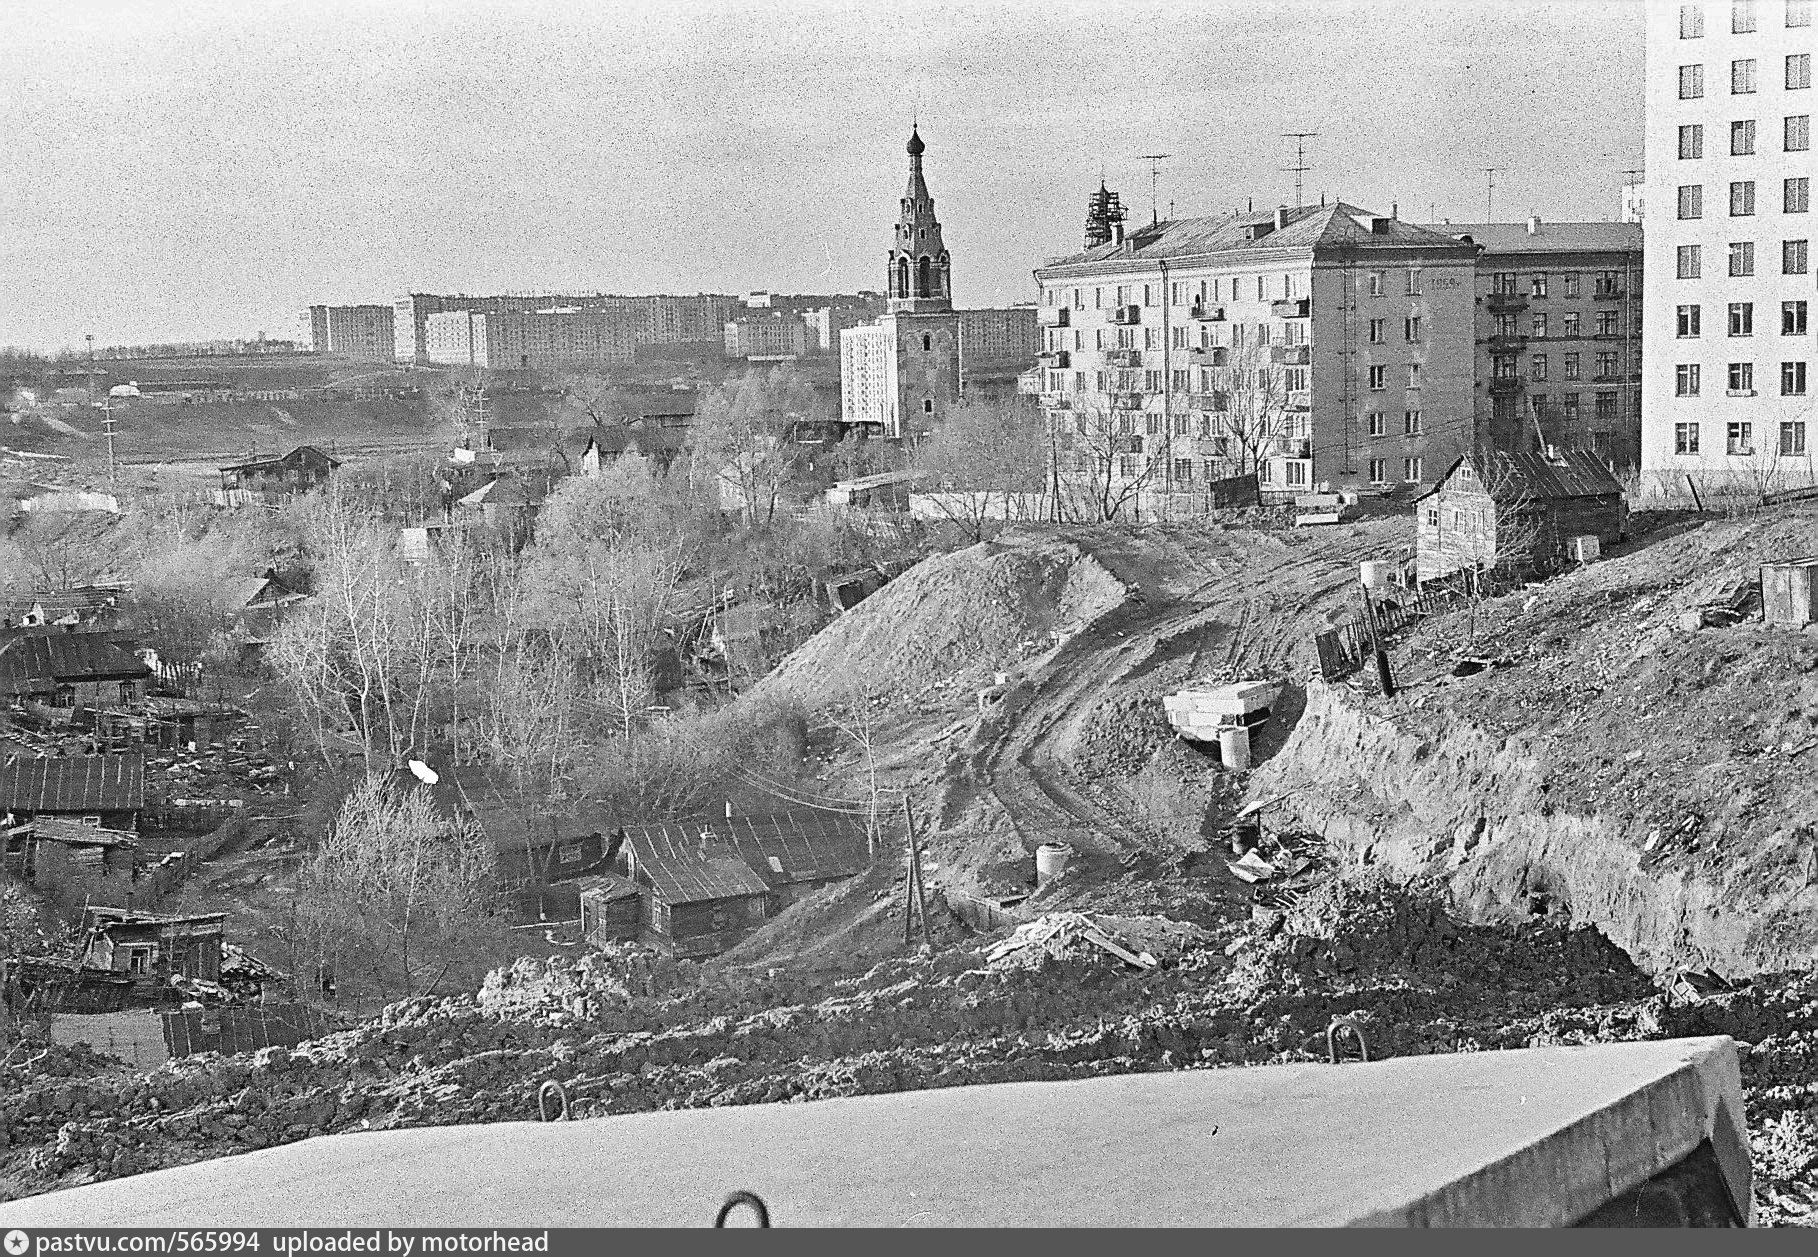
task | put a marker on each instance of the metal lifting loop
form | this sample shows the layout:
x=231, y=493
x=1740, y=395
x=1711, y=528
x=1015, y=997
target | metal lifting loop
x=561, y=1094
x=1345, y=1023
x=743, y=1198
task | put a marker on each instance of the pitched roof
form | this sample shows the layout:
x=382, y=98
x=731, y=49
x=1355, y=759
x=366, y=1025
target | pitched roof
x=500, y=491
x=76, y=834
x=297, y=455
x=1568, y=474
x=34, y=662
x=800, y=846
x=73, y=783
x=1316, y=227
x=684, y=867
x=1550, y=238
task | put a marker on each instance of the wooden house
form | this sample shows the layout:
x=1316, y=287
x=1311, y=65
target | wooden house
x=1517, y=513
x=67, y=669
x=299, y=471
x=599, y=448
x=698, y=897
x=611, y=909
x=796, y=853
x=154, y=949
x=57, y=851
x=103, y=790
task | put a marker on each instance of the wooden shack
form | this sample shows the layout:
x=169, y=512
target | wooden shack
x=611, y=909
x=154, y=949
x=103, y=790
x=1789, y=592
x=699, y=898
x=1516, y=512
x=299, y=471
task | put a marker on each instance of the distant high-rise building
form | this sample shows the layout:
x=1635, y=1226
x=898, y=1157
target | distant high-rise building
x=1727, y=312
x=536, y=340
x=999, y=336
x=356, y=331
x=901, y=375
x=772, y=335
x=657, y=320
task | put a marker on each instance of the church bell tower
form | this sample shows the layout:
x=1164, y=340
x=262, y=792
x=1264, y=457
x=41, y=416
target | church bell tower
x=920, y=275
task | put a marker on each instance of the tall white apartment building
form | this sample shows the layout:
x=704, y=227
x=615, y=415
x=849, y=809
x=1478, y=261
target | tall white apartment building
x=1726, y=385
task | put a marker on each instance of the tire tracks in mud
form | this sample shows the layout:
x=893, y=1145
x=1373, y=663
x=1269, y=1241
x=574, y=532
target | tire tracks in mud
x=1265, y=615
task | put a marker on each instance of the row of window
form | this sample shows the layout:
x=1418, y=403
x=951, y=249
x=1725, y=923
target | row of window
x=1689, y=320
x=1794, y=259
x=1744, y=17
x=1503, y=409
x=1211, y=380
x=1743, y=78
x=1504, y=366
x=1206, y=426
x=1507, y=284
x=1741, y=438
x=1794, y=198
x=1795, y=137
x=1688, y=378
x=1609, y=323
x=1196, y=292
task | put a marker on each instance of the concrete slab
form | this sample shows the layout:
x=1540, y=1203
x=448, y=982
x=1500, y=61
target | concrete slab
x=1528, y=1138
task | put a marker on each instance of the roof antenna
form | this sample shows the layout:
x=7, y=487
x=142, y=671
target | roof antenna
x=1489, y=196
x=1155, y=160
x=1300, y=167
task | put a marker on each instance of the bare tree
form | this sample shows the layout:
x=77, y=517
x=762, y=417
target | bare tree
x=983, y=457
x=1498, y=532
x=743, y=438
x=392, y=877
x=1104, y=464
x=1256, y=417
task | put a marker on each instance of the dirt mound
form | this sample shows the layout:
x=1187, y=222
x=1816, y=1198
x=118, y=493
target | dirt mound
x=960, y=615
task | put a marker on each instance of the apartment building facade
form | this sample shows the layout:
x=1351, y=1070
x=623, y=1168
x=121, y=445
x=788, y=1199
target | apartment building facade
x=1558, y=335
x=1321, y=345
x=655, y=320
x=356, y=331
x=1003, y=334
x=1726, y=389
x=533, y=340
x=773, y=337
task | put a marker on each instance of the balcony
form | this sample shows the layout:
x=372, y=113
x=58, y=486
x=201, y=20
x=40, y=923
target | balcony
x=1126, y=401
x=1208, y=401
x=1291, y=355
x=1506, y=301
x=1058, y=401
x=1208, y=313
x=1614, y=294
x=1606, y=336
x=1298, y=448
x=1294, y=308
x=1300, y=399
x=1512, y=343
x=1510, y=384
x=1126, y=358
x=1209, y=355
x=1057, y=316
x=1058, y=358
x=1127, y=315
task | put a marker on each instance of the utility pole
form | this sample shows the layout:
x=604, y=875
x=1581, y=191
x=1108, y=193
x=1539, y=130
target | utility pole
x=1489, y=196
x=1300, y=167
x=91, y=368
x=1155, y=160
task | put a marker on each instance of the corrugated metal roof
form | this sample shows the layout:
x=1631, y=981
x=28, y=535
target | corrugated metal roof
x=1550, y=238
x=73, y=783
x=1310, y=227
x=1571, y=474
x=31, y=660
x=690, y=867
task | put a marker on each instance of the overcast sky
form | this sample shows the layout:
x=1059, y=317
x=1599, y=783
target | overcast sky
x=180, y=170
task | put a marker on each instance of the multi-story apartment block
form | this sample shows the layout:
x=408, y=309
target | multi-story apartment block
x=772, y=336
x=1320, y=345
x=901, y=375
x=356, y=331
x=1008, y=335
x=1558, y=335
x=1726, y=389
x=533, y=340
x=658, y=320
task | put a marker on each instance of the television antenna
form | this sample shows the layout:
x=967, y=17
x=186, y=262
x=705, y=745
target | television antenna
x=1489, y=196
x=1155, y=160
x=1300, y=167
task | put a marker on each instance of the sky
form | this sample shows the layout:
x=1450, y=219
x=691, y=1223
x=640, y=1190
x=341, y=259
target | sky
x=188, y=169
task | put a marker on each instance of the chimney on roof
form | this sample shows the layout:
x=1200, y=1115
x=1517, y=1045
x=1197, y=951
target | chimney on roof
x=1117, y=234
x=1281, y=217
x=1533, y=224
x=1252, y=204
x=1394, y=210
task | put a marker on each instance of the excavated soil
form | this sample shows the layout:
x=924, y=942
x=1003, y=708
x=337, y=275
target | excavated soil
x=623, y=1036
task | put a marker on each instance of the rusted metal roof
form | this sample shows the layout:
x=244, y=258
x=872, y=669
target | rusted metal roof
x=73, y=783
x=684, y=867
x=35, y=662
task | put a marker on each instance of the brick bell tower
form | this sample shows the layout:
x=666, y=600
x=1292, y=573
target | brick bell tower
x=920, y=274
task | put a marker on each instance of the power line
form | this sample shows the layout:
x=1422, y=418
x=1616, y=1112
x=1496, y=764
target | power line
x=1300, y=166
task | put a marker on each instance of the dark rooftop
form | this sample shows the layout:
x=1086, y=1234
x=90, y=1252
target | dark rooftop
x=73, y=783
